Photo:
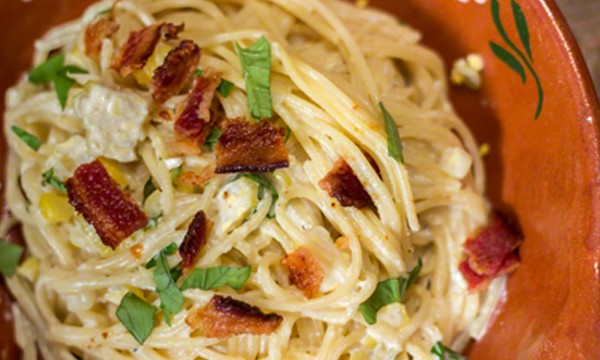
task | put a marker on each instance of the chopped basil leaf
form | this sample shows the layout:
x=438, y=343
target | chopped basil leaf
x=199, y=72
x=388, y=292
x=153, y=221
x=104, y=12
x=393, y=137
x=171, y=299
x=48, y=178
x=10, y=254
x=149, y=189
x=288, y=134
x=264, y=185
x=176, y=272
x=175, y=173
x=46, y=72
x=31, y=140
x=169, y=250
x=54, y=70
x=256, y=66
x=212, y=139
x=444, y=353
x=137, y=316
x=225, y=88
x=212, y=278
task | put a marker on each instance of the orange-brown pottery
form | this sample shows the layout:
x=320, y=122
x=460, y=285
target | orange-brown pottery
x=538, y=112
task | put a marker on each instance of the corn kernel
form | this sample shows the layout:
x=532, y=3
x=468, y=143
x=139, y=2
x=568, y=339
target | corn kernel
x=55, y=208
x=144, y=76
x=114, y=171
x=359, y=355
x=369, y=342
x=30, y=269
x=362, y=4
x=484, y=149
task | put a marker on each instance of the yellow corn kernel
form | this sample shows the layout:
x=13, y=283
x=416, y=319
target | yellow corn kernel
x=30, y=269
x=137, y=291
x=484, y=149
x=144, y=75
x=359, y=355
x=369, y=342
x=114, y=171
x=55, y=208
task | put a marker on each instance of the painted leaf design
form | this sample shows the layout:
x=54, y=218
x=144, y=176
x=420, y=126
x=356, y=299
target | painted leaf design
x=522, y=27
x=508, y=58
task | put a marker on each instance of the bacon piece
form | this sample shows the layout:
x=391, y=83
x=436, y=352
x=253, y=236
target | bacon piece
x=194, y=240
x=245, y=146
x=224, y=317
x=491, y=253
x=194, y=120
x=140, y=46
x=193, y=179
x=305, y=271
x=99, y=198
x=95, y=33
x=343, y=184
x=174, y=73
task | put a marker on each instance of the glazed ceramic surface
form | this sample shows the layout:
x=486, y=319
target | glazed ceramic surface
x=538, y=112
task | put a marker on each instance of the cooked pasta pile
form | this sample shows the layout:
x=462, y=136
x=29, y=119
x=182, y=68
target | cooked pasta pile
x=332, y=66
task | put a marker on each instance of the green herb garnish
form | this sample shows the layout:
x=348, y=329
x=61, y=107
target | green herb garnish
x=137, y=316
x=212, y=139
x=10, y=254
x=48, y=178
x=169, y=250
x=149, y=189
x=288, y=134
x=171, y=299
x=388, y=292
x=393, y=137
x=104, y=12
x=153, y=221
x=54, y=71
x=225, y=88
x=216, y=277
x=256, y=66
x=264, y=185
x=31, y=140
x=199, y=72
x=175, y=173
x=444, y=353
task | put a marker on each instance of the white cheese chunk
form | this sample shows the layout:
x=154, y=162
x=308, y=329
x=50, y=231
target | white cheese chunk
x=235, y=202
x=456, y=162
x=113, y=120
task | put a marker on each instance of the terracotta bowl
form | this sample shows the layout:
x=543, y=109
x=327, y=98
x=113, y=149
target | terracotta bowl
x=538, y=112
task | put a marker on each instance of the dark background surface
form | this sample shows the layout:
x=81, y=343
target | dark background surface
x=584, y=18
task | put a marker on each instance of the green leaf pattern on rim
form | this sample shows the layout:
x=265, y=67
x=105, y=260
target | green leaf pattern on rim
x=521, y=62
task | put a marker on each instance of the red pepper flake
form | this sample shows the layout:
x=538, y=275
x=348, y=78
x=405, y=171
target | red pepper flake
x=250, y=147
x=343, y=184
x=140, y=45
x=194, y=120
x=223, y=317
x=100, y=200
x=179, y=65
x=95, y=33
x=305, y=271
x=194, y=240
x=491, y=253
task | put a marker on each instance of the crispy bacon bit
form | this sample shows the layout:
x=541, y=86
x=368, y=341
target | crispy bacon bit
x=194, y=120
x=174, y=73
x=193, y=179
x=491, y=253
x=245, y=146
x=194, y=240
x=140, y=46
x=99, y=198
x=305, y=271
x=223, y=317
x=95, y=33
x=341, y=183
